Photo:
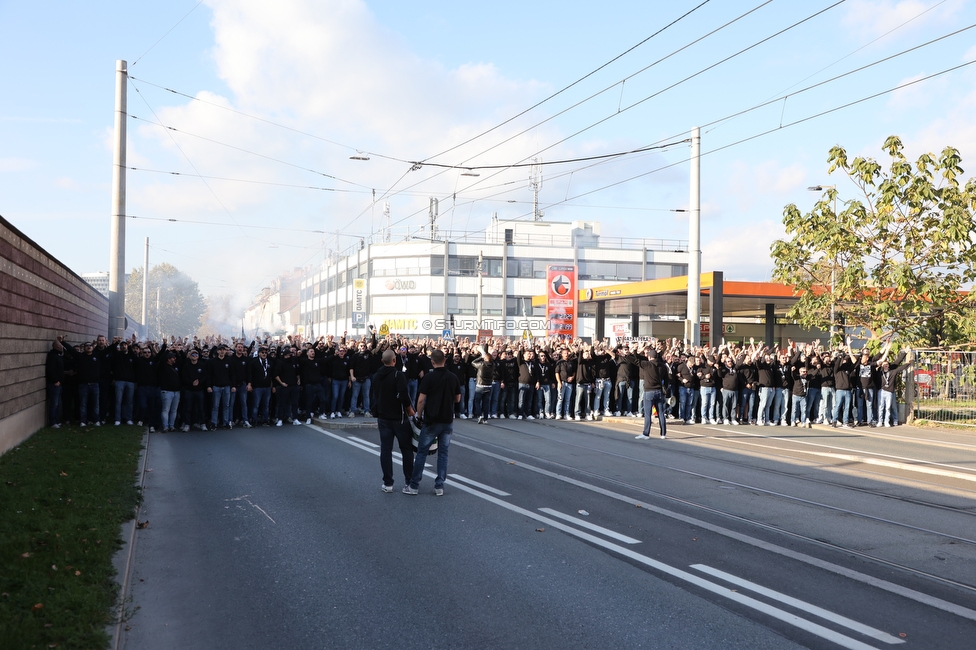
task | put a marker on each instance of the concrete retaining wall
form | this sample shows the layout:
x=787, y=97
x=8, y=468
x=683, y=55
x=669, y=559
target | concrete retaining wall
x=39, y=299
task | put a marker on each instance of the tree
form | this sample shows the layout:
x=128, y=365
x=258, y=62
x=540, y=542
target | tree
x=180, y=303
x=895, y=260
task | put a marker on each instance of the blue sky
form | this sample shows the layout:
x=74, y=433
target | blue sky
x=404, y=82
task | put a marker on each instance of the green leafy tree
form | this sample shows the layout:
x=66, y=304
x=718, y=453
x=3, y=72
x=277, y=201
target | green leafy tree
x=892, y=260
x=180, y=304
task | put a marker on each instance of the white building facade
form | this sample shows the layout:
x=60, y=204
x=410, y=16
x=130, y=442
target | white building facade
x=422, y=288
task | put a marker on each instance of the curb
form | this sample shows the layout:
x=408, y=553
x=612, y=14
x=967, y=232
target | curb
x=122, y=561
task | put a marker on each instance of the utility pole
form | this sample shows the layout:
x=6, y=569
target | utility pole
x=693, y=330
x=386, y=231
x=145, y=289
x=481, y=285
x=116, y=266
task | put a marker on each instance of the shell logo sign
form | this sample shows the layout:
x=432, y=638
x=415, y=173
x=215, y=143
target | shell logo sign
x=561, y=300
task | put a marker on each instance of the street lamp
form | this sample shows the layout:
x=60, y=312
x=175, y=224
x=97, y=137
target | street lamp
x=833, y=266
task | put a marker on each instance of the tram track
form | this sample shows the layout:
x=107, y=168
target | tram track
x=950, y=538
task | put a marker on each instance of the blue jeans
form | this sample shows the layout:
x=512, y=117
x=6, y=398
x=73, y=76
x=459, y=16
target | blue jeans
x=583, y=394
x=778, y=412
x=601, y=396
x=87, y=396
x=709, y=403
x=639, y=397
x=801, y=414
x=624, y=389
x=563, y=405
x=865, y=407
x=240, y=397
x=747, y=398
x=496, y=392
x=125, y=392
x=766, y=397
x=399, y=431
x=221, y=405
x=686, y=405
x=482, y=401
x=654, y=398
x=412, y=386
x=171, y=405
x=441, y=432
x=53, y=404
x=827, y=405
x=545, y=399
x=472, y=385
x=885, y=402
x=525, y=400
x=842, y=405
x=360, y=388
x=339, y=394
x=259, y=405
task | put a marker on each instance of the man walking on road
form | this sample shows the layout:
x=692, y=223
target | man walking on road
x=392, y=409
x=438, y=393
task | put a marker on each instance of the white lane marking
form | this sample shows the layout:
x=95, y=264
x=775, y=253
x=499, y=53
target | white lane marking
x=606, y=532
x=769, y=610
x=486, y=488
x=912, y=465
x=244, y=497
x=365, y=442
x=801, y=605
x=878, y=583
x=786, y=617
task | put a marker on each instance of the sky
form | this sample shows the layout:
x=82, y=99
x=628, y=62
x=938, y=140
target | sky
x=247, y=120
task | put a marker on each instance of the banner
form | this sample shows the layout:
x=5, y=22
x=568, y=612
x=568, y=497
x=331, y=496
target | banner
x=561, y=300
x=358, y=302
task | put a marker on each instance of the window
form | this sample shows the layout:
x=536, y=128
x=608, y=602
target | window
x=463, y=305
x=679, y=269
x=493, y=267
x=437, y=304
x=331, y=285
x=342, y=279
x=491, y=305
x=628, y=271
x=514, y=306
x=437, y=265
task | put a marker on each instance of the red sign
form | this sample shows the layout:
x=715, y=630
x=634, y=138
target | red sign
x=562, y=296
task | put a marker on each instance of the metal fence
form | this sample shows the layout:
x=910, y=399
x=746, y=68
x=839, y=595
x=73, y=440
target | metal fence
x=942, y=386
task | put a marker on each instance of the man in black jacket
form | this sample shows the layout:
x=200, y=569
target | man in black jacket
x=654, y=374
x=438, y=392
x=393, y=407
x=194, y=376
x=262, y=376
x=54, y=377
x=88, y=366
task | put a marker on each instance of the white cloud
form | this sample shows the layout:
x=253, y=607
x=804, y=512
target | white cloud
x=750, y=183
x=736, y=250
x=868, y=19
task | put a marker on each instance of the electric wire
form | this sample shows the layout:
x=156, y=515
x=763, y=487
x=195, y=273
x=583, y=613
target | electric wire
x=140, y=57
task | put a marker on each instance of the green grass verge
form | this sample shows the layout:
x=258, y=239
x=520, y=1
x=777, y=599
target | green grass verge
x=64, y=494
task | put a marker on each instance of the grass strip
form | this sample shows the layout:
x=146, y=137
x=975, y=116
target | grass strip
x=64, y=494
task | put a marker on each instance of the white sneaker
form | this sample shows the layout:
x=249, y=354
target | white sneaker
x=129, y=422
x=734, y=423
x=510, y=417
x=56, y=426
x=152, y=429
x=339, y=414
x=558, y=417
x=616, y=414
x=386, y=488
x=139, y=423
x=529, y=417
x=576, y=418
x=589, y=417
x=247, y=425
x=117, y=423
x=518, y=418
x=464, y=417
x=308, y=421
x=642, y=437
x=296, y=422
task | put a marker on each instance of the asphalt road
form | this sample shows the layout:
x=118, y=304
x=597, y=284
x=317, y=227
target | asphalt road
x=559, y=535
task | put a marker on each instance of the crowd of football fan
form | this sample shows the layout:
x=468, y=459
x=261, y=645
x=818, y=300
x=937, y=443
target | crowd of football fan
x=181, y=384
